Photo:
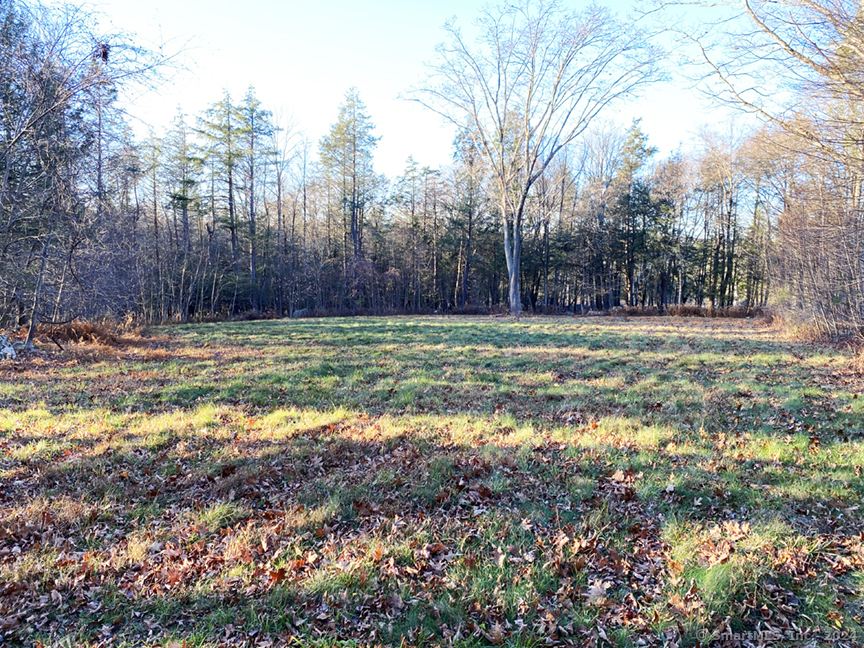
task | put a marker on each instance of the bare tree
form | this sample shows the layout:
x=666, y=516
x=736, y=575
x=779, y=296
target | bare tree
x=797, y=64
x=794, y=63
x=58, y=73
x=61, y=44
x=285, y=145
x=536, y=78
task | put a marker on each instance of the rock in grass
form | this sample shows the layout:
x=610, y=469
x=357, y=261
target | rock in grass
x=7, y=348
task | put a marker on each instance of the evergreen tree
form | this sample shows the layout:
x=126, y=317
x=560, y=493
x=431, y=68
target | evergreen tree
x=346, y=159
x=221, y=132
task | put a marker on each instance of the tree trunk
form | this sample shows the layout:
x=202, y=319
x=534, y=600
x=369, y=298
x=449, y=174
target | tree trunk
x=34, y=316
x=512, y=254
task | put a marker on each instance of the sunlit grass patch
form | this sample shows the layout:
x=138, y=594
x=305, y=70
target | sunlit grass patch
x=218, y=515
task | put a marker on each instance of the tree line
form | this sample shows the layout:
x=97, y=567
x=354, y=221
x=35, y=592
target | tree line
x=234, y=212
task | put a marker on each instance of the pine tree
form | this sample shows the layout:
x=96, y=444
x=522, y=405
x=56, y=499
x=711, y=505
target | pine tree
x=221, y=131
x=346, y=158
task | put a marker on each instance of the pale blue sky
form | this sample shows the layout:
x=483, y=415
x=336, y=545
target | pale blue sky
x=303, y=56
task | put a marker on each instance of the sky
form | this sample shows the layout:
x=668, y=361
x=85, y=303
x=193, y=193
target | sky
x=302, y=56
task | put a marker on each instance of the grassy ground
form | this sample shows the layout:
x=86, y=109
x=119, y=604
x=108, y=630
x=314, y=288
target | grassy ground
x=435, y=481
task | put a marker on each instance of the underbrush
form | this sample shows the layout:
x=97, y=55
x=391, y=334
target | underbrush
x=71, y=343
x=81, y=332
x=858, y=359
x=690, y=310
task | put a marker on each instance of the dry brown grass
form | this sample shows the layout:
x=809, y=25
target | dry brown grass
x=81, y=332
x=82, y=341
x=635, y=311
x=858, y=359
x=794, y=328
x=688, y=310
x=734, y=312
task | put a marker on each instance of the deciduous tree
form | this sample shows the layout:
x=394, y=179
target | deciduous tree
x=534, y=80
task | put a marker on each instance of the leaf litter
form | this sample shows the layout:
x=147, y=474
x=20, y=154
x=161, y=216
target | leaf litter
x=570, y=512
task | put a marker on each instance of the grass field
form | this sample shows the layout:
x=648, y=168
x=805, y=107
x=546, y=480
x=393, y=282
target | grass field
x=434, y=481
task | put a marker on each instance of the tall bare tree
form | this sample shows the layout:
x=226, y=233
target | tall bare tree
x=531, y=84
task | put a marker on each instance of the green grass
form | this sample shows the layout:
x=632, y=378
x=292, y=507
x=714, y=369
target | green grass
x=433, y=481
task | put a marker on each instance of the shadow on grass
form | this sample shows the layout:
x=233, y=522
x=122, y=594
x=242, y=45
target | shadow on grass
x=469, y=486
x=351, y=532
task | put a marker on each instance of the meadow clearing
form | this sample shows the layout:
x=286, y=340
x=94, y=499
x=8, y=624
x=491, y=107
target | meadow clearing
x=443, y=481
